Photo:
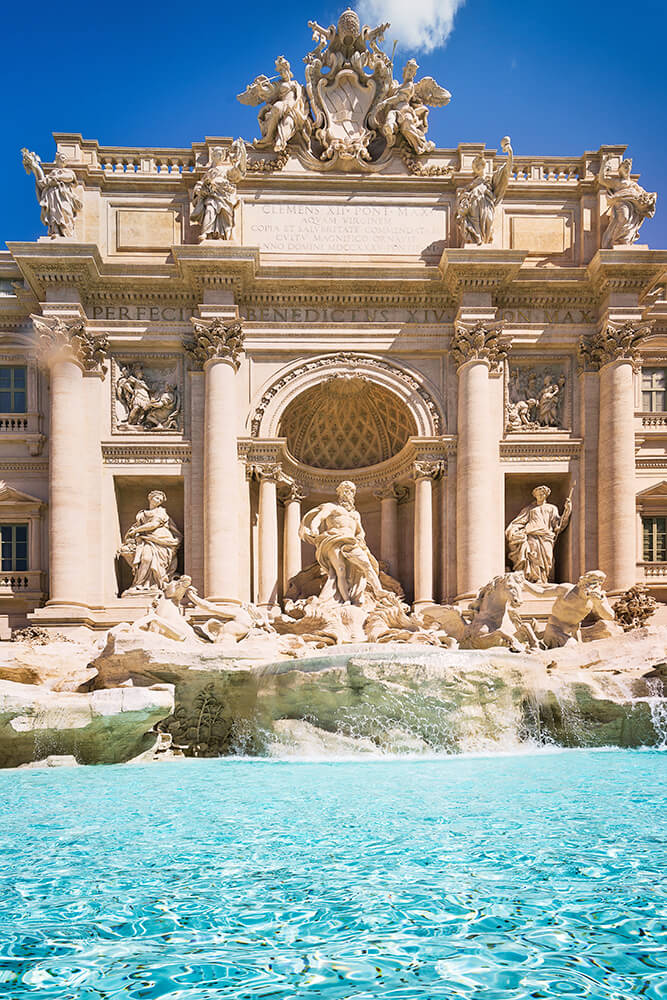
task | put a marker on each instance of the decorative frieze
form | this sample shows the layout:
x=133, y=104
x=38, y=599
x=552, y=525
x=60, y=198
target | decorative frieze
x=480, y=342
x=68, y=339
x=613, y=343
x=214, y=339
x=149, y=454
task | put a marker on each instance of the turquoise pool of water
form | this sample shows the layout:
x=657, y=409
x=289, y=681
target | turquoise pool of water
x=533, y=876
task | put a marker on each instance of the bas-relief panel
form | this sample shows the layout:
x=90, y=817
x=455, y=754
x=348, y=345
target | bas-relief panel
x=142, y=227
x=538, y=395
x=540, y=234
x=147, y=394
x=335, y=228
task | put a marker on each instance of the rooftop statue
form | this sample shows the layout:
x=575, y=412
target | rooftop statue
x=357, y=110
x=532, y=534
x=215, y=197
x=477, y=203
x=404, y=112
x=629, y=205
x=285, y=112
x=56, y=194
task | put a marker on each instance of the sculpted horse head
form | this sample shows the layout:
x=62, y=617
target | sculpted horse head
x=495, y=621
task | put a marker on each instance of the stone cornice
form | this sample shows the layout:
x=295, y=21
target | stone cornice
x=479, y=269
x=540, y=451
x=217, y=265
x=626, y=269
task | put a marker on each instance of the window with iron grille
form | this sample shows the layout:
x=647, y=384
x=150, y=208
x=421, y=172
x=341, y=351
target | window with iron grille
x=654, y=384
x=14, y=542
x=655, y=537
x=13, y=389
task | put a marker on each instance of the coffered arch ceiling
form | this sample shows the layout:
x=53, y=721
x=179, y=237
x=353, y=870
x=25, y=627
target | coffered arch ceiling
x=346, y=422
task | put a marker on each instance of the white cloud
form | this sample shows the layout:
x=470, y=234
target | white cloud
x=418, y=25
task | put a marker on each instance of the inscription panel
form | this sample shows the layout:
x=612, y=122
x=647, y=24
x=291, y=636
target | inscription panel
x=407, y=230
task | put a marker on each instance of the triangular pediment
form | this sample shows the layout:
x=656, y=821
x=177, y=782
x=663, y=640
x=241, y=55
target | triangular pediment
x=8, y=494
x=653, y=497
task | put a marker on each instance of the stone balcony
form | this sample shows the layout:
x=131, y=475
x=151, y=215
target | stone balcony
x=652, y=572
x=28, y=585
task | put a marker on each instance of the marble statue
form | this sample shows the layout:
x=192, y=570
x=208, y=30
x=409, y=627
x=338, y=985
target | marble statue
x=404, y=111
x=215, y=196
x=477, y=203
x=150, y=546
x=495, y=617
x=531, y=535
x=55, y=193
x=336, y=531
x=285, y=113
x=531, y=406
x=629, y=205
x=145, y=406
x=573, y=605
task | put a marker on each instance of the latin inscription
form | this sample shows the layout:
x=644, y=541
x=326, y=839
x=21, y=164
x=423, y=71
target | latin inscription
x=151, y=314
x=336, y=229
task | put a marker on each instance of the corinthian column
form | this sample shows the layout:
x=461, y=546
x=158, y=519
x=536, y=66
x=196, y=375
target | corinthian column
x=217, y=348
x=267, y=541
x=291, y=540
x=424, y=473
x=478, y=350
x=389, y=499
x=615, y=351
x=67, y=350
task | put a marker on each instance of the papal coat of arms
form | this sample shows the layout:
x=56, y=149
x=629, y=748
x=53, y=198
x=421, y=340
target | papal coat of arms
x=352, y=110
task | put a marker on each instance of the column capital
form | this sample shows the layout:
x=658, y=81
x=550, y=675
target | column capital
x=65, y=338
x=292, y=492
x=427, y=469
x=267, y=471
x=215, y=340
x=613, y=343
x=392, y=492
x=480, y=341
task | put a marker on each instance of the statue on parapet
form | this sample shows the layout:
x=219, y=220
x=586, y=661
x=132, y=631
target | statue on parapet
x=532, y=534
x=477, y=203
x=55, y=193
x=215, y=196
x=285, y=113
x=404, y=112
x=629, y=204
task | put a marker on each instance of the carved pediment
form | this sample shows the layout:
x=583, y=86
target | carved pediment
x=11, y=497
x=653, y=500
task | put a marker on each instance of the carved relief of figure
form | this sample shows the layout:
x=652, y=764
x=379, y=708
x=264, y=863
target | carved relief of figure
x=629, y=205
x=55, y=193
x=548, y=402
x=151, y=545
x=146, y=407
x=530, y=407
x=404, y=111
x=336, y=531
x=285, y=112
x=478, y=202
x=573, y=605
x=532, y=534
x=215, y=196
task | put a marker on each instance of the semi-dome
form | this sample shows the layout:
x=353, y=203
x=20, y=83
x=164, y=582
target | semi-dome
x=346, y=422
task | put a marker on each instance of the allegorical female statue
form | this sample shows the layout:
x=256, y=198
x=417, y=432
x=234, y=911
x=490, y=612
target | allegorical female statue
x=151, y=545
x=404, y=112
x=285, y=112
x=629, y=204
x=340, y=548
x=55, y=193
x=477, y=203
x=215, y=197
x=532, y=534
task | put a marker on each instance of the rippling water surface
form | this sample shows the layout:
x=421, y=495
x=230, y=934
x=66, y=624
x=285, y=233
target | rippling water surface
x=497, y=877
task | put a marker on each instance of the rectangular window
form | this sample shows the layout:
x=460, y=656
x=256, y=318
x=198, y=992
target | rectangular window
x=12, y=389
x=654, y=383
x=655, y=538
x=14, y=543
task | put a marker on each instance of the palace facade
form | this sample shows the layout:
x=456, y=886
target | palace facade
x=327, y=316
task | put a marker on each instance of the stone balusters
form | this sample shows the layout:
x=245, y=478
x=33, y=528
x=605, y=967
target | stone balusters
x=478, y=350
x=291, y=541
x=424, y=472
x=614, y=351
x=68, y=351
x=217, y=348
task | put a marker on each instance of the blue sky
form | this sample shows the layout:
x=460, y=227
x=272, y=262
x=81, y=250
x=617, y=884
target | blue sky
x=559, y=78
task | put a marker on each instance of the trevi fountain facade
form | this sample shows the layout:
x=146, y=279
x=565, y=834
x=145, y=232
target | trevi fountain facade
x=333, y=389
